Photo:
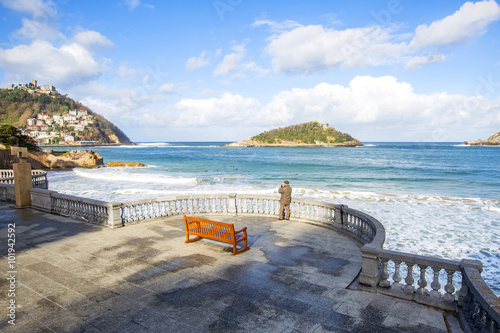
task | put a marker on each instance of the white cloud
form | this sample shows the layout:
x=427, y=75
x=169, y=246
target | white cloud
x=313, y=48
x=469, y=21
x=33, y=30
x=92, y=41
x=276, y=26
x=36, y=55
x=132, y=4
x=167, y=88
x=374, y=102
x=197, y=62
x=234, y=66
x=41, y=25
x=68, y=64
x=124, y=70
x=228, y=110
x=297, y=49
x=418, y=61
x=36, y=8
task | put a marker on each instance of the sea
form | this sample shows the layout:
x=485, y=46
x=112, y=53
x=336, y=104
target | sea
x=436, y=199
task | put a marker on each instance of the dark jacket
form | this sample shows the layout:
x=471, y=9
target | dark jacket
x=286, y=194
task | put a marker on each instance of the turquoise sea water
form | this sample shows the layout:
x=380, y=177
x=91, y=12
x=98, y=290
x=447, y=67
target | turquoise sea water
x=439, y=199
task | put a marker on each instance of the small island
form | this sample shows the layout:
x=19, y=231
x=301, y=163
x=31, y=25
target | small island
x=493, y=140
x=311, y=134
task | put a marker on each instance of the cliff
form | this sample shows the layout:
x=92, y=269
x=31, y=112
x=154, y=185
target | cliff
x=493, y=140
x=311, y=134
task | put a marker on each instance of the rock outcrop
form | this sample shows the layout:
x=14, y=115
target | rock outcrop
x=64, y=160
x=125, y=164
x=493, y=140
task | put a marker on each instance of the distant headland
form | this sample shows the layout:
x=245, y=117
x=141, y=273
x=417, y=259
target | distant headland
x=311, y=134
x=493, y=140
x=52, y=119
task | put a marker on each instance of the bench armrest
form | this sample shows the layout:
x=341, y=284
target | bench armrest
x=244, y=230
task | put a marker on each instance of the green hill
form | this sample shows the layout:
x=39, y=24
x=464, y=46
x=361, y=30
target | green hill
x=18, y=104
x=311, y=134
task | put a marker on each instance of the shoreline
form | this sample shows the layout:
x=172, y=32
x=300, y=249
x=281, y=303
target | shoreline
x=88, y=145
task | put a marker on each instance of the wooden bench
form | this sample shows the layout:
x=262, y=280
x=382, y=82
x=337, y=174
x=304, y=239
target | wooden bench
x=218, y=231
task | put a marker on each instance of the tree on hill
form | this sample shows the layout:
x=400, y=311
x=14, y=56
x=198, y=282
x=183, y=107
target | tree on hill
x=11, y=136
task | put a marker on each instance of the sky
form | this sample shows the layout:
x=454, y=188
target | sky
x=226, y=70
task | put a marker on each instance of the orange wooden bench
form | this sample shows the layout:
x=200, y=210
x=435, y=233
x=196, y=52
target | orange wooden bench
x=218, y=231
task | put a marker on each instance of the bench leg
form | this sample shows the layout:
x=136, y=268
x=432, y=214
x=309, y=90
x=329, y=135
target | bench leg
x=193, y=240
x=245, y=248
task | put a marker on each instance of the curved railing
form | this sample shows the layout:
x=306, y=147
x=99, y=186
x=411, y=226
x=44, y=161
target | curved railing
x=447, y=284
x=360, y=226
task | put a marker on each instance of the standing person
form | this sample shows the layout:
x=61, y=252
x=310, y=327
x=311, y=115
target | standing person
x=286, y=197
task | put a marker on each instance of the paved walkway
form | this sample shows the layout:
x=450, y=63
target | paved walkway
x=76, y=277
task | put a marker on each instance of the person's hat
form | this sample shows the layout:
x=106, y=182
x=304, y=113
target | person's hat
x=287, y=182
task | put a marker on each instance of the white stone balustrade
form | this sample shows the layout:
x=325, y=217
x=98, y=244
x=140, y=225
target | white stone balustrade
x=423, y=279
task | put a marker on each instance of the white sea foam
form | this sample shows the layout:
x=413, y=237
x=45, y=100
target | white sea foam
x=154, y=144
x=129, y=175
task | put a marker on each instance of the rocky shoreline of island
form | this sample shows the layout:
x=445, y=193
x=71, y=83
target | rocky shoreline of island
x=493, y=140
x=290, y=144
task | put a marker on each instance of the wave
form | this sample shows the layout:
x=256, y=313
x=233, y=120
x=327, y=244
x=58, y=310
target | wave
x=129, y=175
x=492, y=205
x=154, y=144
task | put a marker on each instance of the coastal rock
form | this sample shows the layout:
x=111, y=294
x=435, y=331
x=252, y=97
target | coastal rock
x=493, y=140
x=125, y=164
x=65, y=160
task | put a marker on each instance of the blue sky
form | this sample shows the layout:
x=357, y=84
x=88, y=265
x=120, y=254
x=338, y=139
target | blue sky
x=225, y=70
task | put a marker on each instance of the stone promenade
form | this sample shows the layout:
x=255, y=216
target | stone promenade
x=72, y=276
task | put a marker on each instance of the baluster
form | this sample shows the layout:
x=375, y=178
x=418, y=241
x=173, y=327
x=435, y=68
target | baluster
x=435, y=285
x=168, y=210
x=396, y=286
x=449, y=288
x=161, y=207
x=384, y=276
x=422, y=282
x=409, y=289
x=138, y=212
x=201, y=206
x=303, y=213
